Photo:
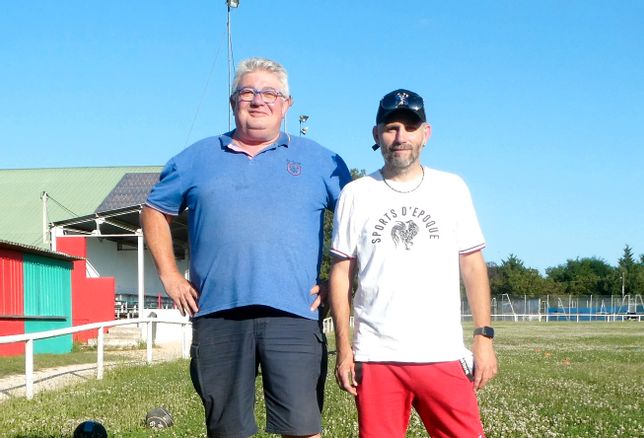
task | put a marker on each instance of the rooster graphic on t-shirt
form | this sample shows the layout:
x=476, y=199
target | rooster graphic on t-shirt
x=404, y=232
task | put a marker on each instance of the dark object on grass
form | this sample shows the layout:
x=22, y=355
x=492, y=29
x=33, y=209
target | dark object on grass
x=90, y=429
x=158, y=418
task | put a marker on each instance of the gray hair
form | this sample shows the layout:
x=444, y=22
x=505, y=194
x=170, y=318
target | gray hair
x=254, y=64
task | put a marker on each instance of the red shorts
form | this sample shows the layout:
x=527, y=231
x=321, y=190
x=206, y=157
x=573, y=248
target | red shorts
x=441, y=393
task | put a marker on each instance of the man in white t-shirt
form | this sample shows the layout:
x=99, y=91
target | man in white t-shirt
x=409, y=231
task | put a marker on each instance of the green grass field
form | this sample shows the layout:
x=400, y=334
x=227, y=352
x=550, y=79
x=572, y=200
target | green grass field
x=555, y=380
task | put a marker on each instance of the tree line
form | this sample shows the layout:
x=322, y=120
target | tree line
x=581, y=276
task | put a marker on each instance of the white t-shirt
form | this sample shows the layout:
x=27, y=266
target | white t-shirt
x=407, y=245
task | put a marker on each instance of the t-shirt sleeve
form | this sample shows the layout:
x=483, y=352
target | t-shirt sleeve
x=344, y=237
x=340, y=177
x=469, y=235
x=167, y=195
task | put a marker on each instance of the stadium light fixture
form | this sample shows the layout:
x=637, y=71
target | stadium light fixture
x=303, y=119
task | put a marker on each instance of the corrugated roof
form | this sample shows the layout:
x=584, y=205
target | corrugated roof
x=72, y=191
x=29, y=249
x=131, y=190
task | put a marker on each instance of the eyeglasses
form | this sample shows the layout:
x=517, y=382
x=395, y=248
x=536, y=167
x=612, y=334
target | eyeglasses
x=269, y=95
x=406, y=100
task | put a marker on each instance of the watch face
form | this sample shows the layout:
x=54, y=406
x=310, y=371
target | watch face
x=488, y=332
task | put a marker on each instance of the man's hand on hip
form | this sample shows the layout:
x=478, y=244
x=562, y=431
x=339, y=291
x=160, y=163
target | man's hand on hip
x=184, y=295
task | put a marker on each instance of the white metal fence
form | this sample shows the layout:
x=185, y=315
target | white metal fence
x=147, y=323
x=584, y=308
x=574, y=308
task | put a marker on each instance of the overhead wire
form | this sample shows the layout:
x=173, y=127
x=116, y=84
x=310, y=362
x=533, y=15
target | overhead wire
x=203, y=94
x=62, y=206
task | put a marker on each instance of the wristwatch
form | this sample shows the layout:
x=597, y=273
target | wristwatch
x=486, y=331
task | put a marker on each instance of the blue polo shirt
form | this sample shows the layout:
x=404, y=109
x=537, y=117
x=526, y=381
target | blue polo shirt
x=255, y=224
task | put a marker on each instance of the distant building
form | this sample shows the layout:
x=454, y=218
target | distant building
x=99, y=206
x=35, y=295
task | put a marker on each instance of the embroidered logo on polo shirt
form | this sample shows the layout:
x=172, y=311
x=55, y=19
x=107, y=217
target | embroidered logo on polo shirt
x=294, y=168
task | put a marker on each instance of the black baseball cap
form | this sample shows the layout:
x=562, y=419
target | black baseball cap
x=400, y=100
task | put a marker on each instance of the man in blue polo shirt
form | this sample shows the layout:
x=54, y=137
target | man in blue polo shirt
x=256, y=198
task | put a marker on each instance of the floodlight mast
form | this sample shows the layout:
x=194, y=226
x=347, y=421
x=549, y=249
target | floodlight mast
x=230, y=4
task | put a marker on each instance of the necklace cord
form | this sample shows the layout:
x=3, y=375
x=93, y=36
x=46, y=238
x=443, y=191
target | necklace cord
x=404, y=191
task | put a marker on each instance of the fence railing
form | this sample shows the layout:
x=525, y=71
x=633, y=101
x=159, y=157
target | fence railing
x=29, y=338
x=554, y=317
x=327, y=323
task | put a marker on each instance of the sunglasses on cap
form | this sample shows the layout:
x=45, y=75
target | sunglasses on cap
x=402, y=99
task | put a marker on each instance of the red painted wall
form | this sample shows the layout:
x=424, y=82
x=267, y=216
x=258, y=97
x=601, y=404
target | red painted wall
x=11, y=300
x=92, y=298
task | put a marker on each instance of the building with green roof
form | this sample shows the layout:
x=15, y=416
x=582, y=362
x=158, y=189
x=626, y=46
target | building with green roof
x=100, y=206
x=72, y=192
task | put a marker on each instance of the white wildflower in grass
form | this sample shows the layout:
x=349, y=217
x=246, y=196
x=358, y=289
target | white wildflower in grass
x=566, y=380
x=562, y=379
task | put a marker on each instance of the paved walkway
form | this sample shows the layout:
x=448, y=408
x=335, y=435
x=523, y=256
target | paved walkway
x=53, y=378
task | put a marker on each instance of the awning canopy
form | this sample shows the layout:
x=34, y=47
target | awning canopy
x=122, y=225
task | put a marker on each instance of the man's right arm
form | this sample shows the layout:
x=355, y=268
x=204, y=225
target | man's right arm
x=156, y=229
x=340, y=282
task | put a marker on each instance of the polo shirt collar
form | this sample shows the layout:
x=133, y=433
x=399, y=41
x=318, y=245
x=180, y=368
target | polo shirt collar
x=284, y=139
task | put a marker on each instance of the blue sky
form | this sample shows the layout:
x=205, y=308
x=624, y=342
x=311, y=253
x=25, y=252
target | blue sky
x=538, y=105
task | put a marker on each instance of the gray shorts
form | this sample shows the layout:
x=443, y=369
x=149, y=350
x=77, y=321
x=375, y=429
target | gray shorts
x=227, y=350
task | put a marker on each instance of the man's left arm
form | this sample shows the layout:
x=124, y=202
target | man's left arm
x=477, y=286
x=340, y=177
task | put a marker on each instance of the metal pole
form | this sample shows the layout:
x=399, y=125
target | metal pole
x=547, y=308
x=623, y=280
x=53, y=236
x=185, y=345
x=141, y=276
x=230, y=45
x=149, y=342
x=140, y=271
x=29, y=369
x=100, y=357
x=45, y=230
